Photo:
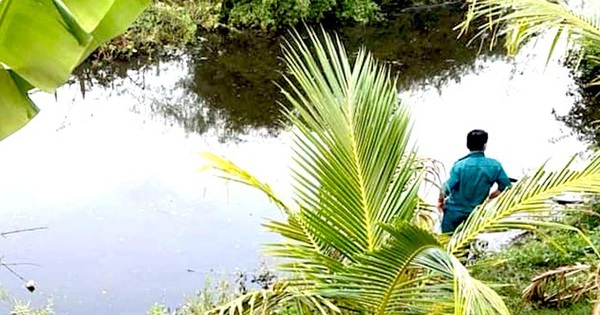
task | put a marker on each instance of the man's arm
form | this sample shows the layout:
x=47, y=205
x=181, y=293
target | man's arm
x=503, y=183
x=447, y=187
x=441, y=200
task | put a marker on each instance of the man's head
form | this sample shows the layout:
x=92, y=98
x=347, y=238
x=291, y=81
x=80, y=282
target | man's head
x=476, y=140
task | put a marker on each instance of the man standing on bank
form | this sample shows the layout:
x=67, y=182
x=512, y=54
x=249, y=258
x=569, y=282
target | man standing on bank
x=471, y=179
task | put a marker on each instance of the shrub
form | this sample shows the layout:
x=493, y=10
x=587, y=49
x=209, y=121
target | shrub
x=161, y=29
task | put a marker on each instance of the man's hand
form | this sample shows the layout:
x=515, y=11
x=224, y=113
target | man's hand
x=495, y=194
x=440, y=204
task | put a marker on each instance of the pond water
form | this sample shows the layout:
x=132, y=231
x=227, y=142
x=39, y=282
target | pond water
x=112, y=172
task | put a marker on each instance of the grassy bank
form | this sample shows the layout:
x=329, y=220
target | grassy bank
x=163, y=29
x=168, y=26
x=531, y=256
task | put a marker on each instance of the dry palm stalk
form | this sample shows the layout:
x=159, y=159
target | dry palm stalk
x=563, y=284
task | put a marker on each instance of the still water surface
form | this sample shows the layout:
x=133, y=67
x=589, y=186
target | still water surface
x=112, y=173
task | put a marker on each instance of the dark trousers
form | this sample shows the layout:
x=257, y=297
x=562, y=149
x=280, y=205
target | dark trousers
x=452, y=219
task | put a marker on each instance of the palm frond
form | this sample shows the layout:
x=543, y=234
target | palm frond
x=230, y=171
x=526, y=205
x=295, y=230
x=278, y=299
x=349, y=239
x=564, y=284
x=413, y=274
x=354, y=164
x=518, y=21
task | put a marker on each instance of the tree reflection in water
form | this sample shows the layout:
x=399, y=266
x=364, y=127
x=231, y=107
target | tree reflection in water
x=228, y=83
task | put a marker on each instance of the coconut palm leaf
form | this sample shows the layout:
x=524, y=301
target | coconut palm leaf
x=42, y=41
x=275, y=301
x=230, y=171
x=306, y=245
x=526, y=205
x=518, y=21
x=354, y=167
x=349, y=239
x=397, y=279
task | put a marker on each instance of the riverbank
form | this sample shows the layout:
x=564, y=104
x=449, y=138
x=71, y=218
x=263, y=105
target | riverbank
x=549, y=273
x=528, y=272
x=167, y=27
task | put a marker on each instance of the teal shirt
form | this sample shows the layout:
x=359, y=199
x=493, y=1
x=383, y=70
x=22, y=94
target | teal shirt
x=470, y=181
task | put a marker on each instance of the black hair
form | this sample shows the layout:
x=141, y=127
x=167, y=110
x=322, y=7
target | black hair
x=476, y=140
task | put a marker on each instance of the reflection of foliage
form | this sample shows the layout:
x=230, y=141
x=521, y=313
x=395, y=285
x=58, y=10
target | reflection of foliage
x=184, y=111
x=231, y=82
x=235, y=76
x=420, y=46
x=584, y=116
x=234, y=73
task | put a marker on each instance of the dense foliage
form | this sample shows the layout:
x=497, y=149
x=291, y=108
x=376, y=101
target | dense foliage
x=176, y=23
x=281, y=13
x=584, y=116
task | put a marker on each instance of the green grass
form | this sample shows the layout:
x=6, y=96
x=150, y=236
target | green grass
x=581, y=308
x=163, y=29
x=515, y=266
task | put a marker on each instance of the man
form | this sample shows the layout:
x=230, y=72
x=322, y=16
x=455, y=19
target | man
x=471, y=179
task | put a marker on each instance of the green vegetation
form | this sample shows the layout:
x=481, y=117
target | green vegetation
x=170, y=25
x=161, y=29
x=281, y=13
x=518, y=22
x=350, y=241
x=207, y=299
x=549, y=251
x=20, y=308
x=41, y=43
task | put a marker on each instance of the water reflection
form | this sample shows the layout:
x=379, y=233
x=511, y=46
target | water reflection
x=235, y=75
x=231, y=80
x=112, y=174
x=421, y=46
x=584, y=116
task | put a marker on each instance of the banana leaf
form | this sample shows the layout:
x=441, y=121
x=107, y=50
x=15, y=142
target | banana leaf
x=42, y=41
x=16, y=109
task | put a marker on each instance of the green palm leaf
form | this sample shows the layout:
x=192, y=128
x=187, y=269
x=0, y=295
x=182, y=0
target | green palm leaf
x=304, y=243
x=349, y=238
x=526, y=206
x=413, y=274
x=518, y=21
x=350, y=139
x=275, y=301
